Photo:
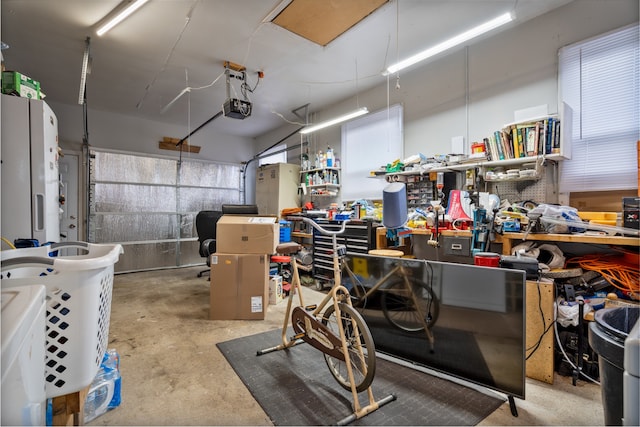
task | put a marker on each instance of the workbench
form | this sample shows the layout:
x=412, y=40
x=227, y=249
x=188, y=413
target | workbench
x=539, y=295
x=509, y=240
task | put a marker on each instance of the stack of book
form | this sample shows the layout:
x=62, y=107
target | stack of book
x=525, y=139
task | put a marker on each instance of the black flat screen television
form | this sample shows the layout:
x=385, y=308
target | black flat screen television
x=476, y=315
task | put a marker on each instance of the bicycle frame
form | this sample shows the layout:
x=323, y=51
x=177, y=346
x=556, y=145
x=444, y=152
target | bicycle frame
x=337, y=295
x=398, y=270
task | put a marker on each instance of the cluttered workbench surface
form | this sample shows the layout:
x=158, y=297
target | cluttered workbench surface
x=507, y=239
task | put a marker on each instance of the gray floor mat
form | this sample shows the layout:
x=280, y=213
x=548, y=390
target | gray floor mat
x=294, y=387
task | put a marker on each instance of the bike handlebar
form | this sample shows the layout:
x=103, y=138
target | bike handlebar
x=319, y=227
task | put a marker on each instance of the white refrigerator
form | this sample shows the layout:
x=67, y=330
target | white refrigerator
x=30, y=178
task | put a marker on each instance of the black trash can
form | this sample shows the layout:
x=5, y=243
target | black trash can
x=606, y=337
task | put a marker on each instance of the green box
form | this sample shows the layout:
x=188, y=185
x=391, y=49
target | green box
x=14, y=83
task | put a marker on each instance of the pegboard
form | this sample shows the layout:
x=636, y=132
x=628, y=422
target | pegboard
x=543, y=190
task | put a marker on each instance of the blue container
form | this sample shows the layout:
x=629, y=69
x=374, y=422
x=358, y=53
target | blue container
x=285, y=231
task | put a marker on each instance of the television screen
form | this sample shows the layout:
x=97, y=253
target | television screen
x=464, y=320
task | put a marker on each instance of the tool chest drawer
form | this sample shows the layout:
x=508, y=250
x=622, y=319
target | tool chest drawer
x=358, y=237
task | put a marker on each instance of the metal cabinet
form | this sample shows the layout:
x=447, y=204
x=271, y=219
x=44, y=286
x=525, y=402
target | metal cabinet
x=358, y=237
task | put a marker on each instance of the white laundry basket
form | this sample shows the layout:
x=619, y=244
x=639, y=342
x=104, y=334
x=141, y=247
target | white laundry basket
x=78, y=308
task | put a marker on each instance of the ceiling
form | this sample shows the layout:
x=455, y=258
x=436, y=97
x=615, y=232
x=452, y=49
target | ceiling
x=142, y=64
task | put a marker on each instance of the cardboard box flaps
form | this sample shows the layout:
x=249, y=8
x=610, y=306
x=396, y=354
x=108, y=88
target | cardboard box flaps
x=237, y=234
x=239, y=286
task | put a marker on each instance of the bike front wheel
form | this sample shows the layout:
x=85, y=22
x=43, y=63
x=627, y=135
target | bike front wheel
x=362, y=353
x=410, y=306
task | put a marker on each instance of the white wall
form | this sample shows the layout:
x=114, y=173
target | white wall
x=512, y=70
x=515, y=69
x=119, y=132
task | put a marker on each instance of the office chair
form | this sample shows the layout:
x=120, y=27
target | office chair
x=240, y=209
x=206, y=228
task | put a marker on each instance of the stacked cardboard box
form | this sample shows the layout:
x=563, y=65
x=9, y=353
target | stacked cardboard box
x=240, y=267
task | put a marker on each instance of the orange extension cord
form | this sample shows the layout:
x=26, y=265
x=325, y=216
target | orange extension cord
x=621, y=271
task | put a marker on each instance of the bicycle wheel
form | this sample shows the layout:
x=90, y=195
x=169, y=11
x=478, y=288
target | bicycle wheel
x=363, y=366
x=400, y=309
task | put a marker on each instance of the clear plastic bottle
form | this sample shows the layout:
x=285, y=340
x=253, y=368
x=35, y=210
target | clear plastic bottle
x=329, y=157
x=104, y=392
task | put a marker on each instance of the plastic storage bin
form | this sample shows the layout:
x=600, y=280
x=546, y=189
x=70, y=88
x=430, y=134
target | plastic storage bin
x=607, y=337
x=285, y=231
x=78, y=292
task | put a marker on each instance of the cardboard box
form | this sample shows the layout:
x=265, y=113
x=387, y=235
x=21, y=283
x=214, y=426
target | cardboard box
x=236, y=234
x=239, y=286
x=275, y=290
x=14, y=83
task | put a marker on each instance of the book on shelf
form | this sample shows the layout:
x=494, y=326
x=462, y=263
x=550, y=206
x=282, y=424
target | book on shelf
x=546, y=141
x=496, y=146
x=515, y=142
x=555, y=144
x=487, y=149
x=525, y=139
x=505, y=137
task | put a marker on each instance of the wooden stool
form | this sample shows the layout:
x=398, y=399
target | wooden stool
x=386, y=252
x=281, y=260
x=283, y=257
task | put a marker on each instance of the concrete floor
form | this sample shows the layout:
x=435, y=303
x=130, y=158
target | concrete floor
x=173, y=373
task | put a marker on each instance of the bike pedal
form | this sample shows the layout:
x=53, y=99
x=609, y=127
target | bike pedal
x=311, y=307
x=298, y=336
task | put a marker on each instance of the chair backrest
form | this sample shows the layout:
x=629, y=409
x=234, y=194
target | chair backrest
x=240, y=209
x=206, y=226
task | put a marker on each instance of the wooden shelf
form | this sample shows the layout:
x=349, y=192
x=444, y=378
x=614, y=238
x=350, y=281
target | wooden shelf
x=508, y=238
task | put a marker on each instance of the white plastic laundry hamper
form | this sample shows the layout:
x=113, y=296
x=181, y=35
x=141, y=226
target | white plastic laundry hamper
x=78, y=307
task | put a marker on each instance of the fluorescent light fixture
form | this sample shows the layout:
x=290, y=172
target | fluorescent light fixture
x=85, y=70
x=276, y=11
x=124, y=13
x=343, y=118
x=448, y=44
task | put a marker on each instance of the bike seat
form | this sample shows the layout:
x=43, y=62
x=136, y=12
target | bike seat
x=288, y=248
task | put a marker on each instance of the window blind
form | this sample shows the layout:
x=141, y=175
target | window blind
x=368, y=143
x=599, y=80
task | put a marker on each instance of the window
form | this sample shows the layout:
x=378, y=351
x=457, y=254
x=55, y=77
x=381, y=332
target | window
x=277, y=154
x=368, y=143
x=599, y=80
x=149, y=205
